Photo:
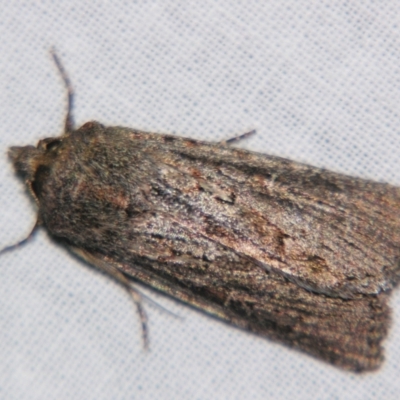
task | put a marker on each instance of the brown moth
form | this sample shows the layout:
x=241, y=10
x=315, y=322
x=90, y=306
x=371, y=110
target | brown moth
x=295, y=253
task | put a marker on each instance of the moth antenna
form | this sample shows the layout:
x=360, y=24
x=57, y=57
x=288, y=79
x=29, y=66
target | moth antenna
x=23, y=241
x=69, y=119
x=238, y=138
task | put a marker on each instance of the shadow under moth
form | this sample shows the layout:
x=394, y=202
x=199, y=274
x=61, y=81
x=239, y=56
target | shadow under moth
x=295, y=253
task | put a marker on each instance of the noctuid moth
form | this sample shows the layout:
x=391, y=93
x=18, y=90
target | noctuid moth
x=299, y=254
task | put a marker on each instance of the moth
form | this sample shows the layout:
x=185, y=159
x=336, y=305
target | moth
x=298, y=254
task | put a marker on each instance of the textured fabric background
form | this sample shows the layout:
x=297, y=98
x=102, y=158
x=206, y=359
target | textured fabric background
x=319, y=80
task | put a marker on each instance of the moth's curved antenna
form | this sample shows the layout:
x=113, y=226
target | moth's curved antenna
x=69, y=119
x=23, y=241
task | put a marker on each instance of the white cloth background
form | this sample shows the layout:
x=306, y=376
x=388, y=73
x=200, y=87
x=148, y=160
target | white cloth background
x=319, y=80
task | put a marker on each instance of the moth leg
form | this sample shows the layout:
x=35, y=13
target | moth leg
x=238, y=138
x=159, y=306
x=69, y=119
x=110, y=269
x=23, y=241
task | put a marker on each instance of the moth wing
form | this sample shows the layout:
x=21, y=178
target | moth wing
x=232, y=287
x=327, y=232
x=286, y=250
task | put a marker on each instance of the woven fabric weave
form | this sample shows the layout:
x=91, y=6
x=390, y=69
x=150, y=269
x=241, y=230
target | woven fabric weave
x=319, y=81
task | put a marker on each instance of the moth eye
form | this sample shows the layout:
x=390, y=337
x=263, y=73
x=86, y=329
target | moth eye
x=54, y=143
x=41, y=175
x=48, y=143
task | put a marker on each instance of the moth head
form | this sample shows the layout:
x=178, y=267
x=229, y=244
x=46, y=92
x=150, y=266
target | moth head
x=27, y=160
